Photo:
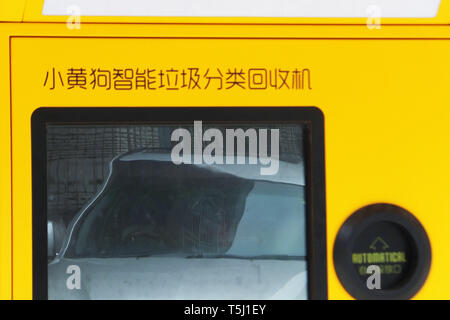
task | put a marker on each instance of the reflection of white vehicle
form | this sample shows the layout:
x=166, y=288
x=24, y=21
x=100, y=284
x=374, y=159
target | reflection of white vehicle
x=161, y=231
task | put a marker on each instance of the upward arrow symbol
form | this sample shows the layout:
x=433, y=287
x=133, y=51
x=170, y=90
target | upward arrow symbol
x=378, y=242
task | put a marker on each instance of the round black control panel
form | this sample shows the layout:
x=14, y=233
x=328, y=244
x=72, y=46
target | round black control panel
x=382, y=252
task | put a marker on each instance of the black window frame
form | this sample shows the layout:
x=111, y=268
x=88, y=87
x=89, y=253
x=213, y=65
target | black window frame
x=314, y=152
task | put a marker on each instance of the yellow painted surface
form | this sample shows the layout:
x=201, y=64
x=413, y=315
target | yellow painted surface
x=5, y=173
x=385, y=95
x=12, y=10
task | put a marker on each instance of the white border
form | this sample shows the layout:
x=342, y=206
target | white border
x=246, y=8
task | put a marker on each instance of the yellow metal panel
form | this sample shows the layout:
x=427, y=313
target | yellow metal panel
x=385, y=95
x=5, y=173
x=12, y=10
x=385, y=103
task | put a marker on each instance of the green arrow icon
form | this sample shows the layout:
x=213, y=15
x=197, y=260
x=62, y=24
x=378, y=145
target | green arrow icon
x=378, y=242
